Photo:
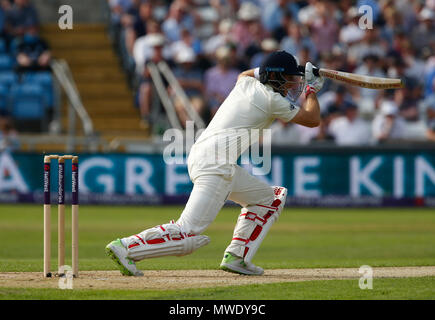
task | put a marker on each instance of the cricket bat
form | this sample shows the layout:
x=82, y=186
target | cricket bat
x=357, y=79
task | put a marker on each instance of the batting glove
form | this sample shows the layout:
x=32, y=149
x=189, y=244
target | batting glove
x=314, y=83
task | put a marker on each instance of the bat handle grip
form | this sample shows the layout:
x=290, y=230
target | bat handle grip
x=315, y=70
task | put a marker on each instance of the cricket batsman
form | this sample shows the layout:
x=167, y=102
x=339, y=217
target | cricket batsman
x=259, y=97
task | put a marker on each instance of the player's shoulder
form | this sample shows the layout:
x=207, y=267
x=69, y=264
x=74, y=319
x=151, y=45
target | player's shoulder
x=249, y=83
x=246, y=80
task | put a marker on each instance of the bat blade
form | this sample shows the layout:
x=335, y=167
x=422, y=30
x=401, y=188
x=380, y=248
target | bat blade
x=358, y=80
x=361, y=80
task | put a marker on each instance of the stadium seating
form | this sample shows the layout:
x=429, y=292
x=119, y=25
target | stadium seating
x=99, y=78
x=45, y=80
x=3, y=98
x=8, y=78
x=3, y=48
x=6, y=62
x=13, y=47
x=27, y=98
x=27, y=101
x=27, y=107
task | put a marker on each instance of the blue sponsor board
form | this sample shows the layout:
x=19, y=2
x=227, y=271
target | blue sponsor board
x=312, y=178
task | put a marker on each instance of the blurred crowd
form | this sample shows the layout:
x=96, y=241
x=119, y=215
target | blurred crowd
x=25, y=76
x=19, y=36
x=208, y=42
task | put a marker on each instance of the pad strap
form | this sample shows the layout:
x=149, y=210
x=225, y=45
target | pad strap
x=165, y=236
x=260, y=221
x=163, y=240
x=254, y=223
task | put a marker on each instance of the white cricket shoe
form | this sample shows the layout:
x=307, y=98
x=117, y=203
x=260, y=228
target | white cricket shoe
x=118, y=253
x=233, y=263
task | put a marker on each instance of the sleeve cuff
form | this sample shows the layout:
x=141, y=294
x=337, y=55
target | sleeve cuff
x=257, y=73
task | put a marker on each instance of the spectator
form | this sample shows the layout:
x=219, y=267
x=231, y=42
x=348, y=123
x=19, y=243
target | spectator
x=145, y=94
x=236, y=61
x=397, y=69
x=248, y=31
x=274, y=11
x=160, y=10
x=227, y=9
x=295, y=41
x=4, y=37
x=430, y=133
x=268, y=46
x=424, y=33
x=284, y=133
x=338, y=97
x=143, y=47
x=138, y=16
x=179, y=18
x=222, y=38
x=187, y=41
x=8, y=135
x=190, y=79
x=117, y=9
x=339, y=58
x=351, y=33
x=370, y=44
x=327, y=117
x=343, y=7
x=415, y=65
x=308, y=135
x=324, y=30
x=21, y=18
x=220, y=79
x=2, y=20
x=370, y=67
x=397, y=42
x=350, y=129
x=429, y=77
x=304, y=57
x=33, y=52
x=429, y=100
x=393, y=22
x=281, y=30
x=334, y=60
x=388, y=125
x=411, y=12
x=309, y=12
x=409, y=98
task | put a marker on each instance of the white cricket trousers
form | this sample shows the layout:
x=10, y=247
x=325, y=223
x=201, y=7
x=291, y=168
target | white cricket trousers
x=210, y=191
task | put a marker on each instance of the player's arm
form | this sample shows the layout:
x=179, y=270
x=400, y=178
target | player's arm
x=309, y=113
x=248, y=73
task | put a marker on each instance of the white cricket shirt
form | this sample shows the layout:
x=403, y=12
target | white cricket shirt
x=238, y=123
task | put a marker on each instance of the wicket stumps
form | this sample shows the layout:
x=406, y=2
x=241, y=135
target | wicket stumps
x=61, y=214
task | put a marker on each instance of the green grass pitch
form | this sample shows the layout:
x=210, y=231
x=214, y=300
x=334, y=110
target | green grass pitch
x=302, y=238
